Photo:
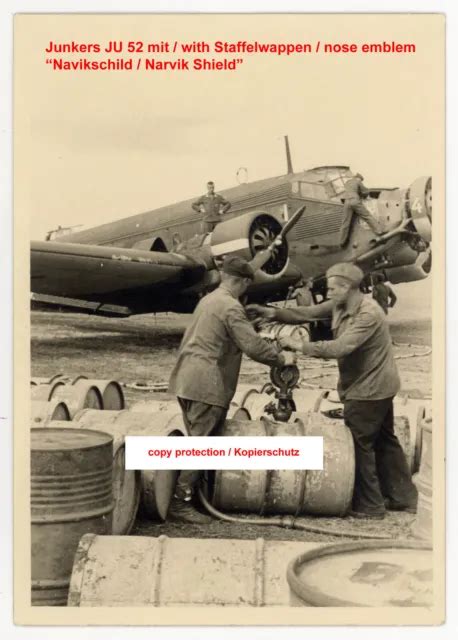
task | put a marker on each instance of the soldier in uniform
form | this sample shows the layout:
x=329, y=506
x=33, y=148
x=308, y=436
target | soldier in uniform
x=383, y=294
x=213, y=206
x=302, y=294
x=368, y=381
x=207, y=369
x=355, y=191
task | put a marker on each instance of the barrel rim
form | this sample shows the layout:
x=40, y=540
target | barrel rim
x=108, y=438
x=117, y=385
x=79, y=569
x=61, y=404
x=137, y=494
x=319, y=598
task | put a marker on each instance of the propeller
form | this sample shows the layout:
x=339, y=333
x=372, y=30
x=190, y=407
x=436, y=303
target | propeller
x=267, y=245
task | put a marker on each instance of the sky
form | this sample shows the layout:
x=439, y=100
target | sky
x=95, y=147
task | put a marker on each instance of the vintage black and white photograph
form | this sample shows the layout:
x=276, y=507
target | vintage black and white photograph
x=228, y=230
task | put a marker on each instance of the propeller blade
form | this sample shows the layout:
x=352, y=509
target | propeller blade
x=262, y=257
x=291, y=223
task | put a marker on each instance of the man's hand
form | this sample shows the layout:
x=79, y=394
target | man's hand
x=256, y=310
x=289, y=343
x=289, y=358
x=307, y=348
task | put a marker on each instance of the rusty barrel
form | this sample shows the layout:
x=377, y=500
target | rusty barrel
x=154, y=489
x=312, y=399
x=112, y=394
x=44, y=412
x=424, y=415
x=43, y=380
x=46, y=391
x=416, y=410
x=110, y=390
x=423, y=525
x=408, y=414
x=291, y=491
x=155, y=406
x=71, y=495
x=174, y=572
x=256, y=405
x=385, y=573
x=81, y=395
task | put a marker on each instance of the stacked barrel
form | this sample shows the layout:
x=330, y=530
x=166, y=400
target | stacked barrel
x=253, y=404
x=152, y=489
x=71, y=494
x=176, y=572
x=68, y=396
x=80, y=484
x=423, y=525
x=290, y=491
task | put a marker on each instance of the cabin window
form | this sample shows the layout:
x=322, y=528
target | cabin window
x=335, y=187
x=313, y=190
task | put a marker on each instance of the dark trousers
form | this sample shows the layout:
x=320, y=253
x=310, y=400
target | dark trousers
x=356, y=209
x=207, y=226
x=201, y=420
x=381, y=469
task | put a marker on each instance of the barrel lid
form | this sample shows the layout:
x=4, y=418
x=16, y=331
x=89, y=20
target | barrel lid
x=49, y=439
x=376, y=576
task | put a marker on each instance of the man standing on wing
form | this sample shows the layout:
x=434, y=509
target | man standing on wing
x=207, y=369
x=368, y=381
x=355, y=191
x=213, y=206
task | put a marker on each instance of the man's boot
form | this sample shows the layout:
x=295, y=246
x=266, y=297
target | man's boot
x=181, y=510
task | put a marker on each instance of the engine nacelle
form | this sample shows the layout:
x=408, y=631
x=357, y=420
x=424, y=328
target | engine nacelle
x=392, y=206
x=248, y=234
x=409, y=273
x=419, y=206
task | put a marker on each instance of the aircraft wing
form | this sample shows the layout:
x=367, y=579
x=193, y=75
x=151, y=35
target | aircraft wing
x=93, y=272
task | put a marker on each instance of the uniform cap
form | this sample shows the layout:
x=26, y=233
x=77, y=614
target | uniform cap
x=346, y=270
x=358, y=175
x=237, y=266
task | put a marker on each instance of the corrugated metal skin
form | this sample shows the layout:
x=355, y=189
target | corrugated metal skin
x=131, y=229
x=320, y=219
x=274, y=194
x=167, y=220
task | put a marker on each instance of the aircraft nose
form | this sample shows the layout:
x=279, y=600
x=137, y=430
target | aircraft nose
x=429, y=199
x=419, y=206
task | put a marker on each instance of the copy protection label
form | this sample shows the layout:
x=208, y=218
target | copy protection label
x=248, y=452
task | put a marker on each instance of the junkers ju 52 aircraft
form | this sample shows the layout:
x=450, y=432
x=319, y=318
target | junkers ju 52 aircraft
x=158, y=261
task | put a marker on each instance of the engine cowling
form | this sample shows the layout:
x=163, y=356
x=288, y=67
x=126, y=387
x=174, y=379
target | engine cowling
x=419, y=206
x=409, y=273
x=246, y=235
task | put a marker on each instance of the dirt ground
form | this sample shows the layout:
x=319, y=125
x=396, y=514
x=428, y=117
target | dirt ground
x=143, y=348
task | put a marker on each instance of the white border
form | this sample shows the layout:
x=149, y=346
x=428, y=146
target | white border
x=7, y=9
